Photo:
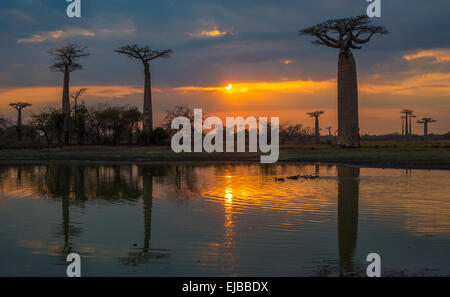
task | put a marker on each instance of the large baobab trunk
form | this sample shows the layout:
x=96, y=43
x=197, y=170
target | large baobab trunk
x=348, y=127
x=425, y=129
x=66, y=105
x=148, y=120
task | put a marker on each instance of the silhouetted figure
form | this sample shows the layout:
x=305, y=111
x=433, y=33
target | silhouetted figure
x=345, y=34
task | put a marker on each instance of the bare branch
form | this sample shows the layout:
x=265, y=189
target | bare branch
x=66, y=57
x=348, y=31
x=19, y=105
x=144, y=54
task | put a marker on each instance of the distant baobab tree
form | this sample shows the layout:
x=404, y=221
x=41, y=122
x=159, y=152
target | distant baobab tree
x=19, y=106
x=345, y=34
x=408, y=114
x=403, y=124
x=316, y=115
x=425, y=122
x=66, y=61
x=145, y=55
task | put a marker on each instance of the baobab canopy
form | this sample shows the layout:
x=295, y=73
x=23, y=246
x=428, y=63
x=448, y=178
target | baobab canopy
x=344, y=33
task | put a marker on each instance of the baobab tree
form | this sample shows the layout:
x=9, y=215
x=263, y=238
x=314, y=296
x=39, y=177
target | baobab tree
x=66, y=61
x=346, y=34
x=425, y=122
x=316, y=115
x=145, y=55
x=408, y=114
x=403, y=124
x=19, y=106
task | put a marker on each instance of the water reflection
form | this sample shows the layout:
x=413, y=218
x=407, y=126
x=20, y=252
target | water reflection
x=229, y=219
x=348, y=195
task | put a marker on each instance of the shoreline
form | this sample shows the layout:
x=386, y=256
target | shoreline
x=427, y=158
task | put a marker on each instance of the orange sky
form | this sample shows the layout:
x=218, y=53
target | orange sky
x=380, y=98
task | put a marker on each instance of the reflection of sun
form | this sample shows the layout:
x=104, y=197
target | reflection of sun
x=229, y=87
x=229, y=195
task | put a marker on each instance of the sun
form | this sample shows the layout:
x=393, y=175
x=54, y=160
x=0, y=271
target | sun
x=229, y=87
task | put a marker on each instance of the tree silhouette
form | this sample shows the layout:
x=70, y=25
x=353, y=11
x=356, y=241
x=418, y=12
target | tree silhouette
x=19, y=106
x=79, y=114
x=425, y=122
x=407, y=118
x=329, y=131
x=316, y=115
x=346, y=34
x=66, y=61
x=403, y=124
x=145, y=55
x=77, y=95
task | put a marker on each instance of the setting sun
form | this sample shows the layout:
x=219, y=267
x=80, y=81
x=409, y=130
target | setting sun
x=229, y=87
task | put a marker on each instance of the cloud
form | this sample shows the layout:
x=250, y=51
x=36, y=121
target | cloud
x=439, y=55
x=213, y=33
x=73, y=32
x=54, y=35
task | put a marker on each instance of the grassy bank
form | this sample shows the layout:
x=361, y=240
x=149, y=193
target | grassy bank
x=383, y=154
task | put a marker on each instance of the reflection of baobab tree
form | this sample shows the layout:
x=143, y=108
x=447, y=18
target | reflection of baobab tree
x=59, y=187
x=348, y=194
x=116, y=182
x=144, y=254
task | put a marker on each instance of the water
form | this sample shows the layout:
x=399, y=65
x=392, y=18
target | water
x=222, y=220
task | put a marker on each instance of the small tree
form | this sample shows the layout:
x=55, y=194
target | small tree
x=132, y=117
x=425, y=122
x=177, y=111
x=145, y=55
x=66, y=61
x=19, y=106
x=42, y=123
x=316, y=115
x=4, y=123
x=80, y=114
x=329, y=131
x=346, y=34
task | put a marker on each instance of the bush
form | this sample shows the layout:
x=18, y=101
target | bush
x=159, y=136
